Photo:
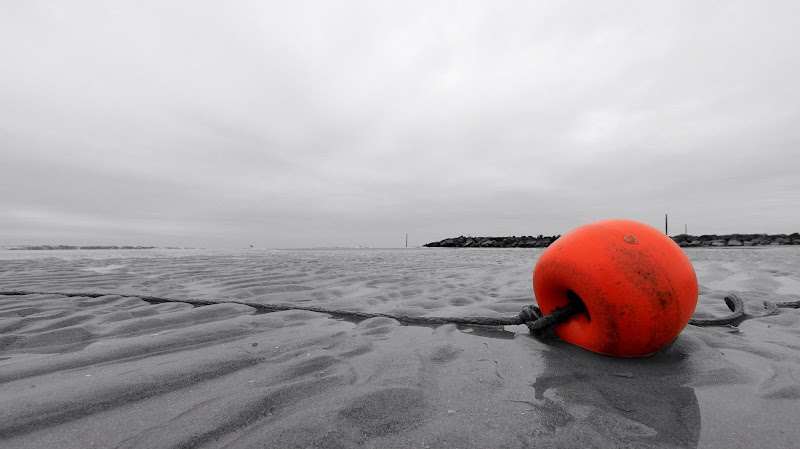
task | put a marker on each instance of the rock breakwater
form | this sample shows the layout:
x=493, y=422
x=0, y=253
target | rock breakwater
x=684, y=240
x=495, y=242
x=714, y=240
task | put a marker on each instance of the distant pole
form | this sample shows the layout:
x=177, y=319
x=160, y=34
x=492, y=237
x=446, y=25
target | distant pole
x=666, y=224
x=406, y=239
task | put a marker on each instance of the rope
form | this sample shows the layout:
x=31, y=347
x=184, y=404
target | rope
x=734, y=303
x=531, y=316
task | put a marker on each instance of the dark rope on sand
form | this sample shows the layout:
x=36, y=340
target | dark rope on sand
x=530, y=316
x=736, y=305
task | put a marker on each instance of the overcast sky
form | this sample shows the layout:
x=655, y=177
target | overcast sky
x=337, y=123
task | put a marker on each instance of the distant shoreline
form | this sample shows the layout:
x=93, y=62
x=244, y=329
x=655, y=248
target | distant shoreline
x=69, y=247
x=683, y=240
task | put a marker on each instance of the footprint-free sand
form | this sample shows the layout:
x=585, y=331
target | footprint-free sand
x=116, y=371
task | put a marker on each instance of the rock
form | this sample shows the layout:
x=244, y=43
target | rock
x=541, y=241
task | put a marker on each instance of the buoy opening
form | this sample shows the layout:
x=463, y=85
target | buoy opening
x=574, y=298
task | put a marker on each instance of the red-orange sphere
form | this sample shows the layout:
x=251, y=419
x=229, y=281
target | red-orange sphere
x=638, y=286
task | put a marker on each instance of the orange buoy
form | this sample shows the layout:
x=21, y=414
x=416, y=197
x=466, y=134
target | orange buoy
x=638, y=286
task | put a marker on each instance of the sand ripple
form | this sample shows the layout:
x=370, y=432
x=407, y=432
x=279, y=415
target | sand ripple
x=116, y=371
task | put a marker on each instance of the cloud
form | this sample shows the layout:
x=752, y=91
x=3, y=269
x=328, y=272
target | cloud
x=315, y=124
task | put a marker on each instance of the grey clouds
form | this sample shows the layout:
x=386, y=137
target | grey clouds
x=298, y=124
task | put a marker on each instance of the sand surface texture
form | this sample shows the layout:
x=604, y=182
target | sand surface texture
x=116, y=371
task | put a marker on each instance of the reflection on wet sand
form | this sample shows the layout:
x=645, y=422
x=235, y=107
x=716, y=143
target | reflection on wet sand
x=593, y=400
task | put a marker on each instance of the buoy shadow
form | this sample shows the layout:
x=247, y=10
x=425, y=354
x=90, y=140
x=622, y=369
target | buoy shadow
x=594, y=399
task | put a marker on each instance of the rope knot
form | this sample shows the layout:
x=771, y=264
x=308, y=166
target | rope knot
x=537, y=322
x=529, y=315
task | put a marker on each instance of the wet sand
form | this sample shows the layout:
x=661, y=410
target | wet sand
x=117, y=371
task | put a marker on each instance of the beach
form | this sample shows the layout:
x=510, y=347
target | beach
x=118, y=371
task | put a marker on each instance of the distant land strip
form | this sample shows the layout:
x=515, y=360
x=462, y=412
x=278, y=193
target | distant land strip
x=57, y=247
x=683, y=240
